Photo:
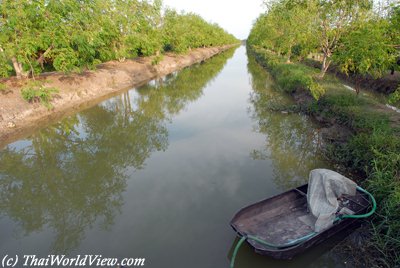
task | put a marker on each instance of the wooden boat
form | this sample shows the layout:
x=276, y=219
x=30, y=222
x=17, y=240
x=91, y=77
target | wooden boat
x=272, y=226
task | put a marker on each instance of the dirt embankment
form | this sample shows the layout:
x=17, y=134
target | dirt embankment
x=78, y=91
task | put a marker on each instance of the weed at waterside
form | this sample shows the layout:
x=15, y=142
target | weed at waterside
x=35, y=91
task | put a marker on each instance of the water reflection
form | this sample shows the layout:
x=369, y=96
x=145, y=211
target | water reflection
x=292, y=141
x=315, y=257
x=70, y=176
x=292, y=148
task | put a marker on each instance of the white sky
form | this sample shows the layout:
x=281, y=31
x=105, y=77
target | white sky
x=235, y=16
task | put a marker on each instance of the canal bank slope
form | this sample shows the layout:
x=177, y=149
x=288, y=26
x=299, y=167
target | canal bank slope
x=79, y=91
x=362, y=137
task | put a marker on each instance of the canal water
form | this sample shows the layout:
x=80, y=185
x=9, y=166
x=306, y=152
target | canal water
x=159, y=171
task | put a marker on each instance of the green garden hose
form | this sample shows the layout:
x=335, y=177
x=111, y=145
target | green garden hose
x=363, y=215
x=265, y=243
x=304, y=238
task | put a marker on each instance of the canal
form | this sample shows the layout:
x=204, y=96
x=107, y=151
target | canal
x=157, y=172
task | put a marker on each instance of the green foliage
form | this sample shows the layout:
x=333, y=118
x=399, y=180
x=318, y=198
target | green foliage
x=316, y=90
x=378, y=152
x=349, y=33
x=5, y=66
x=187, y=30
x=394, y=27
x=69, y=35
x=385, y=182
x=157, y=59
x=65, y=59
x=366, y=49
x=395, y=96
x=287, y=27
x=3, y=87
x=35, y=91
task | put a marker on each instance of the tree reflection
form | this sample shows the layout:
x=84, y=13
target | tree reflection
x=71, y=176
x=292, y=141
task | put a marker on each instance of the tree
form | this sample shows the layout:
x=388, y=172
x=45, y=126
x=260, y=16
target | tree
x=335, y=17
x=366, y=49
x=187, y=30
x=361, y=37
x=68, y=35
x=296, y=23
x=259, y=33
x=64, y=34
x=286, y=27
x=17, y=33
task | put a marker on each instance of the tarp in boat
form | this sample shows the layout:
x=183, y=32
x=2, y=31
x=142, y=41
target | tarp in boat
x=324, y=188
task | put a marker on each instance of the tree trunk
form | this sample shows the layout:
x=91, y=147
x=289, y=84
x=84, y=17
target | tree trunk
x=325, y=65
x=19, y=71
x=42, y=57
x=289, y=55
x=357, y=85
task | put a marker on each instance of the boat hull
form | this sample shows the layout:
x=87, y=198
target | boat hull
x=276, y=219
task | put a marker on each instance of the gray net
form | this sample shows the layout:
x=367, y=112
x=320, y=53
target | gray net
x=324, y=188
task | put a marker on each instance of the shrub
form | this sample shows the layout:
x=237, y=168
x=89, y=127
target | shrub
x=157, y=59
x=36, y=92
x=3, y=88
x=395, y=96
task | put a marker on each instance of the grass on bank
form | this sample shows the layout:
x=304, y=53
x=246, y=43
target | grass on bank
x=291, y=77
x=372, y=150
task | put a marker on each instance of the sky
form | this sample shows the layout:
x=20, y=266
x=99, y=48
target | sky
x=235, y=16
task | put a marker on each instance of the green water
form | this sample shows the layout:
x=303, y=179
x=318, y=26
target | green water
x=159, y=171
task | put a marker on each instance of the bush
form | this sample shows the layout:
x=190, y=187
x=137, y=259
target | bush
x=157, y=59
x=3, y=88
x=36, y=92
x=394, y=98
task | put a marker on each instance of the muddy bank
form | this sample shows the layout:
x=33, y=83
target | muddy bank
x=78, y=91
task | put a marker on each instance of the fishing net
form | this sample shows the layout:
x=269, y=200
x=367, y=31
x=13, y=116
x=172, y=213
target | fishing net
x=325, y=187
